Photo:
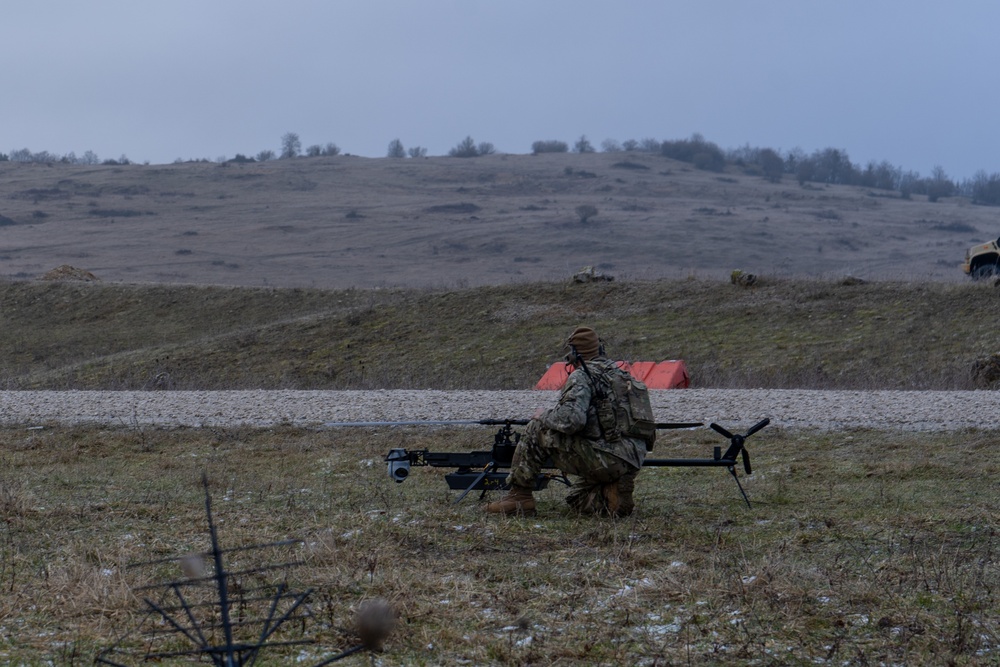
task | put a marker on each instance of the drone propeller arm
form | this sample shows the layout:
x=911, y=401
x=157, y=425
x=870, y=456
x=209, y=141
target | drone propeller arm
x=758, y=426
x=737, y=442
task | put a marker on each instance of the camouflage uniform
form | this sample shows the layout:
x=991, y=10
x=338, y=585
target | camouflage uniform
x=571, y=435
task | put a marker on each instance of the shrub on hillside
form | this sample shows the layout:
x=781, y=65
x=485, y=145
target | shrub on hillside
x=549, y=146
x=832, y=165
x=650, y=145
x=881, y=176
x=626, y=164
x=465, y=148
x=291, y=145
x=395, y=149
x=582, y=145
x=938, y=189
x=985, y=188
x=709, y=160
x=771, y=165
x=585, y=212
x=939, y=185
x=702, y=154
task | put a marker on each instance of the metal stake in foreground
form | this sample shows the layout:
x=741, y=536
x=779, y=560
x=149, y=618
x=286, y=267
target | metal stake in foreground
x=198, y=609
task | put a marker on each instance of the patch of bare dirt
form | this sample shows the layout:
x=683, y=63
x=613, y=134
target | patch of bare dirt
x=67, y=272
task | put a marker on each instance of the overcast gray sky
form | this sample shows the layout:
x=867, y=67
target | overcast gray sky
x=912, y=82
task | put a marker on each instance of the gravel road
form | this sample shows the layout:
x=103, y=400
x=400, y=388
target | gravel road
x=789, y=408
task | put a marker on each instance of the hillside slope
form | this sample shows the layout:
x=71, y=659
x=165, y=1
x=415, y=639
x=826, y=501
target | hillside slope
x=779, y=334
x=339, y=222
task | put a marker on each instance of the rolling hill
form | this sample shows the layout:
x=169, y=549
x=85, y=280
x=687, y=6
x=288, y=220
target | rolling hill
x=345, y=221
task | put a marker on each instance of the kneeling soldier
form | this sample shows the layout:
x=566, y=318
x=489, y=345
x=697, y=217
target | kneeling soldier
x=580, y=436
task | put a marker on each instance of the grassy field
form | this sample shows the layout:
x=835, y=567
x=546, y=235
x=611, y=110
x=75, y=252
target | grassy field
x=862, y=548
x=779, y=334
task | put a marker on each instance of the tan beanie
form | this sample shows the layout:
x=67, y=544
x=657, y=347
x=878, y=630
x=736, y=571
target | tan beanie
x=586, y=342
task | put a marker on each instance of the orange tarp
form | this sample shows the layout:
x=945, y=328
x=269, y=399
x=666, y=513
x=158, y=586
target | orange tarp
x=655, y=375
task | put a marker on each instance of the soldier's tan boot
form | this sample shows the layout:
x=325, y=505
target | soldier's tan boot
x=517, y=501
x=611, y=500
x=624, y=489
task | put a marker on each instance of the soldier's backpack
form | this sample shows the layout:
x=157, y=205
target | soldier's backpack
x=632, y=410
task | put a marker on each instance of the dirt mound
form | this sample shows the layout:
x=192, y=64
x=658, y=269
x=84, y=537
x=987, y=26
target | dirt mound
x=67, y=272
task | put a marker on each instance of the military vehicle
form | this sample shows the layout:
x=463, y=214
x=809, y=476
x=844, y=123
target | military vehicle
x=983, y=260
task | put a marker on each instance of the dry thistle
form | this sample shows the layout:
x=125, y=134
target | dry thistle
x=375, y=620
x=193, y=566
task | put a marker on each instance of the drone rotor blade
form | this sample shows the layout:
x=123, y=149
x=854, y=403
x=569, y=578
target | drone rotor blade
x=746, y=460
x=721, y=431
x=669, y=425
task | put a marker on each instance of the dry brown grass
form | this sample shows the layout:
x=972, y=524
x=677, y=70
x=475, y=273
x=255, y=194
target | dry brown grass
x=339, y=222
x=861, y=548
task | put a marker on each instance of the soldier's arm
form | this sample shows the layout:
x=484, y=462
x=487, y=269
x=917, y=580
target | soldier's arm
x=569, y=415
